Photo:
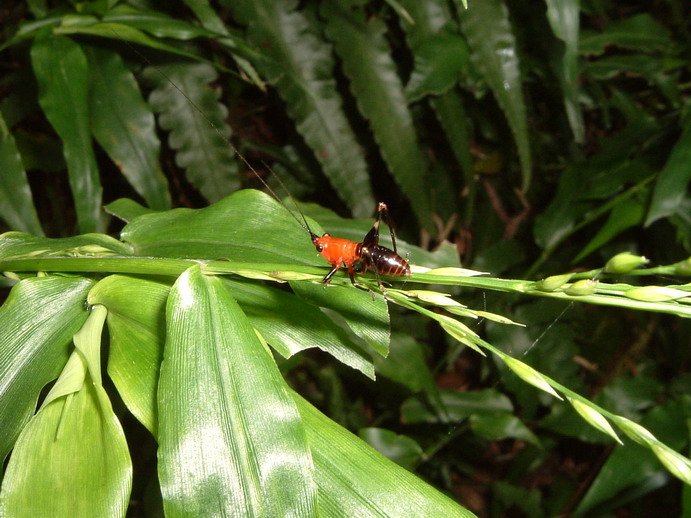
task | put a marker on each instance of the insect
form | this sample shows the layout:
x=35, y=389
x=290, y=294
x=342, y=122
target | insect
x=364, y=256
x=355, y=257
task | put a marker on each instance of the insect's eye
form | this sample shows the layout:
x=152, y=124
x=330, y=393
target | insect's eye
x=320, y=248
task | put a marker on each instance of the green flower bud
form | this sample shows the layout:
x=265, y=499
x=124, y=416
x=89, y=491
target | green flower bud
x=677, y=464
x=624, y=263
x=582, y=287
x=595, y=418
x=635, y=431
x=530, y=375
x=554, y=282
x=683, y=267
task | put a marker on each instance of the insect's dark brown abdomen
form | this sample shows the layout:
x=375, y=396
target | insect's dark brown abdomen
x=386, y=262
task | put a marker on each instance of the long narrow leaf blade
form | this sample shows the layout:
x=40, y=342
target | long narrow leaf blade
x=16, y=203
x=198, y=140
x=301, y=69
x=495, y=53
x=672, y=184
x=374, y=81
x=62, y=73
x=231, y=439
x=124, y=126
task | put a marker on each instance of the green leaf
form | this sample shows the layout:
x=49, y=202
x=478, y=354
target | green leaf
x=16, y=202
x=198, y=138
x=399, y=448
x=630, y=466
x=456, y=406
x=406, y=364
x=38, y=321
x=17, y=244
x=640, y=32
x=438, y=63
x=136, y=326
x=127, y=210
x=368, y=317
x=377, y=88
x=496, y=427
x=245, y=226
x=80, y=24
x=495, y=53
x=301, y=69
x=155, y=22
x=213, y=22
x=290, y=325
x=355, y=480
x=124, y=126
x=672, y=182
x=231, y=439
x=629, y=213
x=72, y=458
x=564, y=18
x=62, y=73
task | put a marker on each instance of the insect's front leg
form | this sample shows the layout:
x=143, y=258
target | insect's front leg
x=328, y=276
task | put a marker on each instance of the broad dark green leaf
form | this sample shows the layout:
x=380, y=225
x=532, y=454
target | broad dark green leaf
x=245, y=226
x=16, y=202
x=377, y=88
x=455, y=406
x=673, y=181
x=301, y=69
x=62, y=73
x=136, y=326
x=290, y=325
x=399, y=448
x=231, y=438
x=199, y=139
x=124, y=126
x=38, y=321
x=356, y=480
x=72, y=458
x=495, y=53
x=564, y=18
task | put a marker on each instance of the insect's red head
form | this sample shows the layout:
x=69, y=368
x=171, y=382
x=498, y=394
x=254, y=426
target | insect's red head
x=319, y=242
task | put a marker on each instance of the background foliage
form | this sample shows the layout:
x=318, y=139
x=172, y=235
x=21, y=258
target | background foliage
x=527, y=139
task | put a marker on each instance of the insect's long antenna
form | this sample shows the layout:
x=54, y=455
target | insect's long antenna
x=302, y=223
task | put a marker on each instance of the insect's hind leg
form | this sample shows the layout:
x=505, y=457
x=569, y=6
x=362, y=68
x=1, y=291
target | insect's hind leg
x=372, y=237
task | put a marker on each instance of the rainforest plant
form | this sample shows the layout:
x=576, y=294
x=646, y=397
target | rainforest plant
x=186, y=366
